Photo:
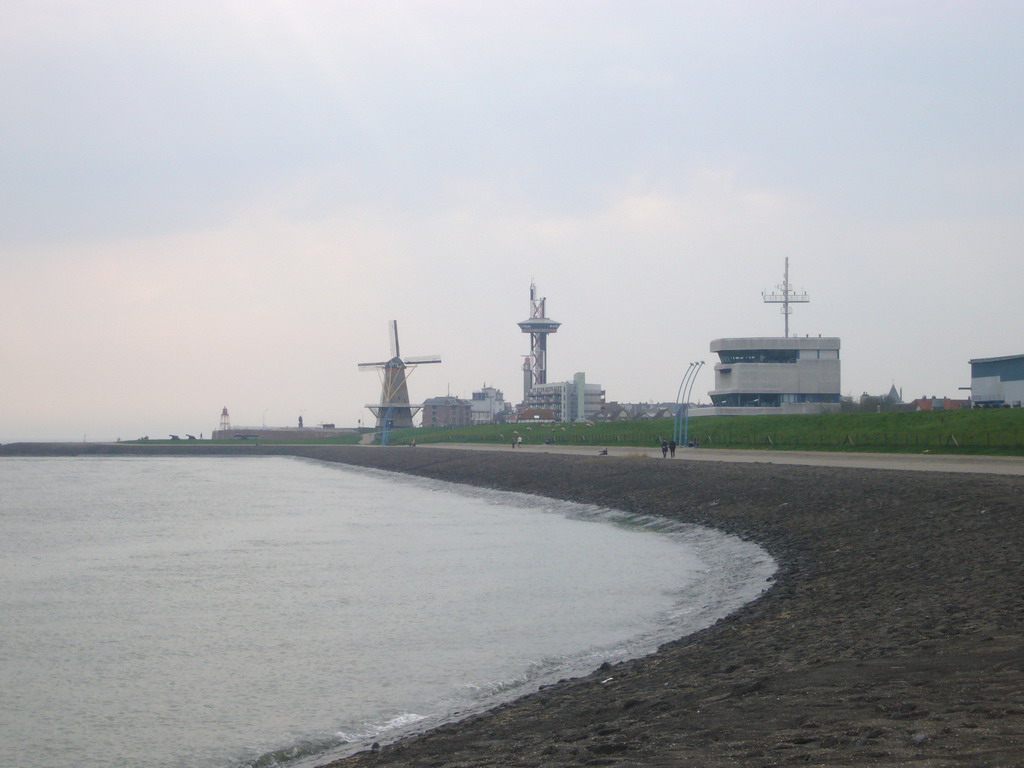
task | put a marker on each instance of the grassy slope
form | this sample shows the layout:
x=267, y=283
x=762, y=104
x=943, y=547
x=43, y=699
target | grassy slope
x=997, y=431
x=981, y=431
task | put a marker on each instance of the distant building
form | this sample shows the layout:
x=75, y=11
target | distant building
x=937, y=404
x=616, y=411
x=446, y=412
x=997, y=382
x=664, y=411
x=893, y=401
x=488, y=406
x=763, y=375
x=613, y=412
x=574, y=400
x=537, y=414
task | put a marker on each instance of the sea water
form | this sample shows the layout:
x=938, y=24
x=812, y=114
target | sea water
x=226, y=612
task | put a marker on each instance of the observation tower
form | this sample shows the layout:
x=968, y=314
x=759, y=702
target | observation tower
x=539, y=325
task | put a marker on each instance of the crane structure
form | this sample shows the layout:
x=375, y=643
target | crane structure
x=539, y=325
x=785, y=295
x=394, y=411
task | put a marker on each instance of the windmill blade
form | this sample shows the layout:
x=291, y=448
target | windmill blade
x=421, y=360
x=393, y=332
x=371, y=366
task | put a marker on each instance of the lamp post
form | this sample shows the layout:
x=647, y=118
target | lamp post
x=386, y=425
x=681, y=426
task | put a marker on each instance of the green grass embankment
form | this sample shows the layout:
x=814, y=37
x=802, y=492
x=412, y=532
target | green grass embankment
x=979, y=431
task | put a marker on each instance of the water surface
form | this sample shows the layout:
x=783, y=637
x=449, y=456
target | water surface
x=219, y=611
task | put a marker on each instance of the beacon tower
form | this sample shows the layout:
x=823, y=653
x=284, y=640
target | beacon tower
x=539, y=325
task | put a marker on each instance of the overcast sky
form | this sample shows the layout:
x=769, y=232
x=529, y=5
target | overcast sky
x=222, y=203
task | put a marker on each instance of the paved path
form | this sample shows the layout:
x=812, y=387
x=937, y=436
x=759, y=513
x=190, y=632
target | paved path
x=996, y=465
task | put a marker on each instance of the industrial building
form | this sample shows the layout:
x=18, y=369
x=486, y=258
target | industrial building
x=997, y=382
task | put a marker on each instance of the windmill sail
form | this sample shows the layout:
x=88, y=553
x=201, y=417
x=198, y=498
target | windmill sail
x=393, y=338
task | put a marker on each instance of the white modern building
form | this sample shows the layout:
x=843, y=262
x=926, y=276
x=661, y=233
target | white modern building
x=771, y=374
x=574, y=400
x=997, y=382
x=488, y=405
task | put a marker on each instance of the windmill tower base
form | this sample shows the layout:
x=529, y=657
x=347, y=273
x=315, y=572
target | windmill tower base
x=394, y=417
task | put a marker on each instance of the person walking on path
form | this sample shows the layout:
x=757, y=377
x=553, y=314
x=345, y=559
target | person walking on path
x=672, y=448
x=664, y=448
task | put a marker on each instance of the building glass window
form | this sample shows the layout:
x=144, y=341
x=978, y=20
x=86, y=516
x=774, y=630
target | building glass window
x=769, y=399
x=759, y=355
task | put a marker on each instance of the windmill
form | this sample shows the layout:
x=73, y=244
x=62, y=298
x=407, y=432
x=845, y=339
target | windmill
x=394, y=410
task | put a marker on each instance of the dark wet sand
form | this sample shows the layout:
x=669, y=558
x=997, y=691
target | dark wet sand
x=893, y=634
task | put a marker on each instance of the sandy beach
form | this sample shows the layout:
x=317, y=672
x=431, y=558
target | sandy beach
x=893, y=633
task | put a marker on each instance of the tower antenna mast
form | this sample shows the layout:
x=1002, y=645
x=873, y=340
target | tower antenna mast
x=785, y=295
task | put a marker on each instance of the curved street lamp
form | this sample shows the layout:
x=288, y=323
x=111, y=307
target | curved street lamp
x=386, y=425
x=681, y=426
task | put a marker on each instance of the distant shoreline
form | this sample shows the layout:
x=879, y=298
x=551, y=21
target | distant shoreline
x=892, y=634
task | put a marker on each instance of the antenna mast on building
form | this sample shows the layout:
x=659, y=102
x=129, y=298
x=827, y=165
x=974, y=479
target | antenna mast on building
x=785, y=295
x=535, y=366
